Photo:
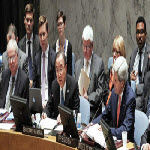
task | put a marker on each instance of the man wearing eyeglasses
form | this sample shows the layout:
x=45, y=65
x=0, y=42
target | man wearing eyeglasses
x=64, y=90
x=138, y=66
x=22, y=57
x=44, y=68
x=94, y=67
x=30, y=42
x=14, y=79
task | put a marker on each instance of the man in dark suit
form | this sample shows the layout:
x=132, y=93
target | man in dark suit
x=14, y=80
x=64, y=89
x=44, y=68
x=145, y=140
x=30, y=42
x=120, y=111
x=94, y=67
x=138, y=66
x=22, y=57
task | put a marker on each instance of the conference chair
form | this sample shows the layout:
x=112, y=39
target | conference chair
x=140, y=125
x=84, y=110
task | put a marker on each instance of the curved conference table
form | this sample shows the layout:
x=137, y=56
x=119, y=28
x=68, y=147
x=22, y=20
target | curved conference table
x=11, y=140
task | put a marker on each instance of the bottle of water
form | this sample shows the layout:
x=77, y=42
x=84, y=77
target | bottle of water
x=74, y=114
x=79, y=121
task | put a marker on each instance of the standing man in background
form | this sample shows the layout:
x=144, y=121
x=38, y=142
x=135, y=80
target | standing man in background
x=30, y=42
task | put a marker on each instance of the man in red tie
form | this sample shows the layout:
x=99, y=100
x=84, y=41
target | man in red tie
x=120, y=111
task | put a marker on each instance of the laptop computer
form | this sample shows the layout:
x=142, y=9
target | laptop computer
x=35, y=100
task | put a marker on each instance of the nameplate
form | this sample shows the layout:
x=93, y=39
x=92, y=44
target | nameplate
x=84, y=146
x=72, y=142
x=33, y=131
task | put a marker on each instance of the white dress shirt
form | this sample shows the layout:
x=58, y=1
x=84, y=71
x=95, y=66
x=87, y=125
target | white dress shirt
x=46, y=73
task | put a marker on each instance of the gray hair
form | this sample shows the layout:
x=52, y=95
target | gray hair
x=121, y=68
x=88, y=33
x=12, y=44
x=12, y=30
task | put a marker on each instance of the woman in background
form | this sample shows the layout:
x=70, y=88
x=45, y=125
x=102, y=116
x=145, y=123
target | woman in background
x=62, y=43
x=118, y=50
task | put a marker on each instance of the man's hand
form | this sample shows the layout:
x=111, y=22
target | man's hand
x=31, y=83
x=146, y=146
x=133, y=75
x=85, y=94
x=58, y=119
x=44, y=115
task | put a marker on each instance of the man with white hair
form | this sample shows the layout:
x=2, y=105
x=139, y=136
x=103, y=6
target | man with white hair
x=94, y=67
x=120, y=111
x=14, y=80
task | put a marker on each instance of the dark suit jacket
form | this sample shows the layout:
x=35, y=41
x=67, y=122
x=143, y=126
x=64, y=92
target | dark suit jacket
x=69, y=57
x=36, y=45
x=145, y=63
x=127, y=113
x=37, y=69
x=95, y=91
x=146, y=137
x=21, y=85
x=71, y=97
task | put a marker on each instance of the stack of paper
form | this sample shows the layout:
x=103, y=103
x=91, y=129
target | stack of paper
x=96, y=135
x=83, y=82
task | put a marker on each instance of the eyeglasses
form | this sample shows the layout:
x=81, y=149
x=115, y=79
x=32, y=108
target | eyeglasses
x=117, y=52
x=86, y=47
x=142, y=31
x=59, y=70
x=59, y=24
x=11, y=59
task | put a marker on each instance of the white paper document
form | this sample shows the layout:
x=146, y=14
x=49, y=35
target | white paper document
x=6, y=126
x=83, y=82
x=48, y=123
x=96, y=135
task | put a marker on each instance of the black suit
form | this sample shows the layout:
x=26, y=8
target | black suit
x=37, y=69
x=69, y=57
x=71, y=97
x=36, y=45
x=21, y=85
x=146, y=137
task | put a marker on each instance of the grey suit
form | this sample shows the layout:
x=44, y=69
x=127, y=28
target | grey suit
x=36, y=45
x=95, y=91
x=145, y=63
x=22, y=60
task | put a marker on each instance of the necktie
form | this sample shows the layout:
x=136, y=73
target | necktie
x=139, y=68
x=10, y=93
x=86, y=67
x=43, y=79
x=62, y=97
x=30, y=60
x=118, y=110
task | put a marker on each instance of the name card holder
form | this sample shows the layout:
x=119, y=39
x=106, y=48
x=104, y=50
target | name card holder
x=72, y=142
x=33, y=131
x=84, y=146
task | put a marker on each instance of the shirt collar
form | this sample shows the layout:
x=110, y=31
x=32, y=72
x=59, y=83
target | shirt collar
x=89, y=59
x=46, y=52
x=15, y=75
x=31, y=38
x=64, y=88
x=143, y=49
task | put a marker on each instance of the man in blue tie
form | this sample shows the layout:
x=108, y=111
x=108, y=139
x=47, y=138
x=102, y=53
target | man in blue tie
x=64, y=89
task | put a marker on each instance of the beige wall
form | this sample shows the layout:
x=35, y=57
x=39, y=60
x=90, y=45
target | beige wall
x=107, y=17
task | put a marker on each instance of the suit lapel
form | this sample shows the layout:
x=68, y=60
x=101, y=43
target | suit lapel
x=133, y=60
x=145, y=62
x=67, y=91
x=91, y=67
x=24, y=44
x=18, y=81
x=34, y=47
